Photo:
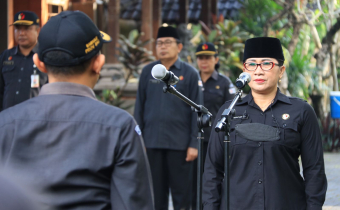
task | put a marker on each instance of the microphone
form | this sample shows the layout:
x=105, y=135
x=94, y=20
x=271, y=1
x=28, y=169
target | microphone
x=242, y=80
x=159, y=72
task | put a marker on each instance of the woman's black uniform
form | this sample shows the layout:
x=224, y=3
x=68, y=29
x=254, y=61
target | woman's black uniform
x=266, y=175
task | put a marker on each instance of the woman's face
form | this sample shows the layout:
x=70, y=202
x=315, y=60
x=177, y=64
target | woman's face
x=206, y=63
x=264, y=81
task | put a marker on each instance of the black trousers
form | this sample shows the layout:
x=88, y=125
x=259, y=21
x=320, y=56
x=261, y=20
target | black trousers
x=194, y=178
x=170, y=171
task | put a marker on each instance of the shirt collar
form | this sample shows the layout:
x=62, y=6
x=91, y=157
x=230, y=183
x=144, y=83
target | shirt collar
x=177, y=64
x=67, y=88
x=279, y=97
x=34, y=50
x=16, y=50
x=214, y=75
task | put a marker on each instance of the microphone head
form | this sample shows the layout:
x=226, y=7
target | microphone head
x=245, y=76
x=158, y=71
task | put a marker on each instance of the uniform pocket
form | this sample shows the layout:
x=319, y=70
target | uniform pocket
x=235, y=138
x=291, y=134
x=8, y=73
x=7, y=68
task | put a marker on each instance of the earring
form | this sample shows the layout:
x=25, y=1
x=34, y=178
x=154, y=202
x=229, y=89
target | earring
x=280, y=80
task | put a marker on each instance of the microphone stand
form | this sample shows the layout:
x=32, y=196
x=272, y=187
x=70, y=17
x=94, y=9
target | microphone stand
x=224, y=125
x=203, y=120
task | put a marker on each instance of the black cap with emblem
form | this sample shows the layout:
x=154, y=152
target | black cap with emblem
x=72, y=32
x=263, y=47
x=26, y=18
x=206, y=48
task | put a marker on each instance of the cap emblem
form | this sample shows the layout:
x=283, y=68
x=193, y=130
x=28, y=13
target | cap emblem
x=21, y=16
x=204, y=47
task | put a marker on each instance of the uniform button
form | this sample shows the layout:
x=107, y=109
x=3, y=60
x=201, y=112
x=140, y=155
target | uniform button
x=19, y=80
x=260, y=181
x=260, y=162
x=22, y=69
x=259, y=144
x=17, y=92
x=284, y=125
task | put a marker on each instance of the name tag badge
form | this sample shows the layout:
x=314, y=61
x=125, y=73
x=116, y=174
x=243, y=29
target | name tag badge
x=35, y=81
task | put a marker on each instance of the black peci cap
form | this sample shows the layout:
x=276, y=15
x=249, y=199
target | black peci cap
x=72, y=32
x=167, y=32
x=26, y=18
x=267, y=47
x=206, y=48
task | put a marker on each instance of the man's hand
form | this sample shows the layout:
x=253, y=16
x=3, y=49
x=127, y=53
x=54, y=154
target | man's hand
x=191, y=154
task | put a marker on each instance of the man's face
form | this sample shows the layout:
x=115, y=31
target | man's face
x=167, y=48
x=26, y=36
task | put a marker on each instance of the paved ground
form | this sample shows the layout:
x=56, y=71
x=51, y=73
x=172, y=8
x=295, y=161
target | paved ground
x=332, y=166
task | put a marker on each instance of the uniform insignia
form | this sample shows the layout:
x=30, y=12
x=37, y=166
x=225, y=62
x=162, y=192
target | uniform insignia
x=232, y=90
x=204, y=47
x=200, y=83
x=181, y=77
x=21, y=16
x=217, y=87
x=285, y=116
x=138, y=131
x=10, y=58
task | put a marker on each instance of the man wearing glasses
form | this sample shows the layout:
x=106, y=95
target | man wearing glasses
x=268, y=135
x=168, y=125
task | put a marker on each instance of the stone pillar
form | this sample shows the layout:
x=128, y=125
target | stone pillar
x=157, y=21
x=147, y=21
x=206, y=13
x=113, y=30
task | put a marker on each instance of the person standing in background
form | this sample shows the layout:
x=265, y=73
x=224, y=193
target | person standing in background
x=168, y=125
x=217, y=89
x=19, y=79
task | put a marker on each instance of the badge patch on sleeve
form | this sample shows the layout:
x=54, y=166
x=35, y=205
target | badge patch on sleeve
x=232, y=90
x=138, y=131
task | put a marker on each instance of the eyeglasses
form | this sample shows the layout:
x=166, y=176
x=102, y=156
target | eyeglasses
x=265, y=66
x=167, y=43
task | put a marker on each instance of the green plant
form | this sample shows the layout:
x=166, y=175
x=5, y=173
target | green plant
x=229, y=40
x=111, y=97
x=256, y=13
x=132, y=53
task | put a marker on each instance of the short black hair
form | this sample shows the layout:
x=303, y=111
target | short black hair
x=60, y=57
x=280, y=62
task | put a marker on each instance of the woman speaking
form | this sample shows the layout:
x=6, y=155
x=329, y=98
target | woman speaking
x=268, y=134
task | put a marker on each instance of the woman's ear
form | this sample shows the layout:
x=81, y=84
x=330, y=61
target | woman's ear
x=216, y=59
x=40, y=65
x=282, y=71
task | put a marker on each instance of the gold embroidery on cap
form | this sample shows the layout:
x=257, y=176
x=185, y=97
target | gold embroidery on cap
x=92, y=44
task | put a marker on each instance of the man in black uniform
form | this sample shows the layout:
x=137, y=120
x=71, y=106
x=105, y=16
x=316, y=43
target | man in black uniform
x=217, y=89
x=267, y=135
x=76, y=152
x=19, y=80
x=168, y=125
